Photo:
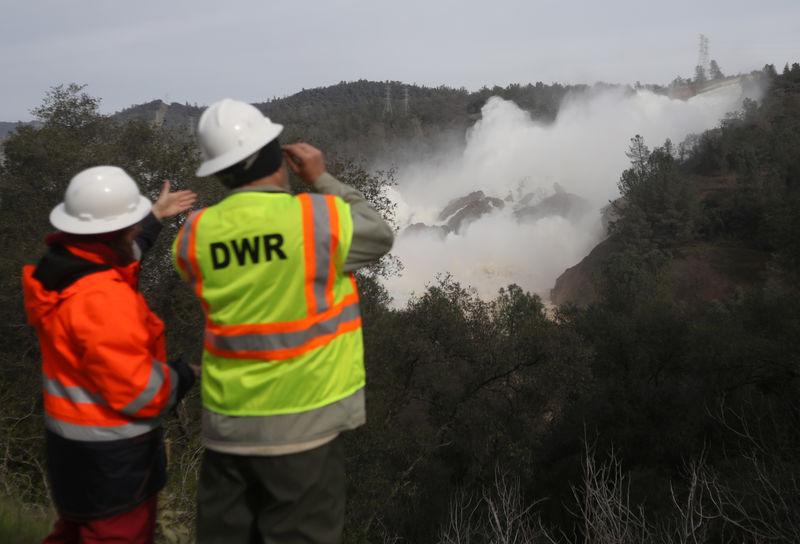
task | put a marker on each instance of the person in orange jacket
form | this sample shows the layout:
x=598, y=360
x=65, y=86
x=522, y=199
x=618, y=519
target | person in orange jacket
x=106, y=378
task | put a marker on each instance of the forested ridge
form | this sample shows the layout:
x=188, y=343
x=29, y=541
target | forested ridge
x=364, y=119
x=650, y=408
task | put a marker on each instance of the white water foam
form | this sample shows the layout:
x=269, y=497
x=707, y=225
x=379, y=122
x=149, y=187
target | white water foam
x=508, y=155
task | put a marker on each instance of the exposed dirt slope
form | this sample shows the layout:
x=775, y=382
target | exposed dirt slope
x=699, y=272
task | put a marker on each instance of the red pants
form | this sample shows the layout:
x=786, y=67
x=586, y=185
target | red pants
x=135, y=527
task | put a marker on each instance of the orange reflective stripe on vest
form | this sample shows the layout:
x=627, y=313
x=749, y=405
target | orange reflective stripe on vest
x=187, y=260
x=319, y=216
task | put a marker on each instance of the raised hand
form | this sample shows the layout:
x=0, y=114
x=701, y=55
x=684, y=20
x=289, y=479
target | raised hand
x=170, y=204
x=305, y=160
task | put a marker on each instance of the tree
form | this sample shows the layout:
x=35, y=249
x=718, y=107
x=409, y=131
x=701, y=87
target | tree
x=700, y=74
x=770, y=72
x=714, y=71
x=638, y=153
x=660, y=207
x=68, y=108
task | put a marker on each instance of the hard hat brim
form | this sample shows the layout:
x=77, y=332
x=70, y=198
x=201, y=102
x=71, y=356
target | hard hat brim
x=65, y=222
x=217, y=164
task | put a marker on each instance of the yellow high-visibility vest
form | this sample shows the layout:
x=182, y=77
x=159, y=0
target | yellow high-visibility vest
x=283, y=326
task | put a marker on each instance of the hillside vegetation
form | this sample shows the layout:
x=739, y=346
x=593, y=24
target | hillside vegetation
x=367, y=119
x=657, y=406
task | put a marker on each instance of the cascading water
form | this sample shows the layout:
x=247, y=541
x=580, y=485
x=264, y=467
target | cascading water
x=543, y=187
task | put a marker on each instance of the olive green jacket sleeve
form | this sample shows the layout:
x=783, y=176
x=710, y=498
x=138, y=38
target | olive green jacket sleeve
x=372, y=236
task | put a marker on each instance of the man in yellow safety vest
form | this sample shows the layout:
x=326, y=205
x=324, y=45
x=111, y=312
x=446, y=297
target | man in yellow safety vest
x=283, y=359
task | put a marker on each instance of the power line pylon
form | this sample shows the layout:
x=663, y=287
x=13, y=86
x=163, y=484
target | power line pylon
x=161, y=113
x=702, y=59
x=387, y=104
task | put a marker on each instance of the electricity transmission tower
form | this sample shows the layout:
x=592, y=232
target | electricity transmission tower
x=387, y=104
x=702, y=59
x=160, y=114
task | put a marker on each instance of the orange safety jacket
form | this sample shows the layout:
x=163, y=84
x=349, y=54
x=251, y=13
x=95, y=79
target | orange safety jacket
x=104, y=367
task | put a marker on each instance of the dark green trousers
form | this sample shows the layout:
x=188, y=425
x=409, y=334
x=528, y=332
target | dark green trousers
x=283, y=499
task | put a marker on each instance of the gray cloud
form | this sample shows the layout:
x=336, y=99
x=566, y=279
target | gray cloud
x=198, y=51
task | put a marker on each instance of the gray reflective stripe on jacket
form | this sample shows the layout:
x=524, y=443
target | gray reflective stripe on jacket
x=283, y=340
x=80, y=395
x=75, y=393
x=150, y=391
x=89, y=433
x=254, y=435
x=322, y=249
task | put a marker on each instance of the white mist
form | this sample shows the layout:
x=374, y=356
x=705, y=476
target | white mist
x=509, y=155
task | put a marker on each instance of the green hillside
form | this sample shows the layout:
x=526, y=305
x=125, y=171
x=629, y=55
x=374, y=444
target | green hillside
x=658, y=403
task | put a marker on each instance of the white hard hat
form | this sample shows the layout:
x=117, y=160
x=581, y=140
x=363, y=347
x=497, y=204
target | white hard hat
x=229, y=131
x=100, y=199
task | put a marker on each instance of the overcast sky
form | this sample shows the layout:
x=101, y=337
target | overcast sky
x=198, y=51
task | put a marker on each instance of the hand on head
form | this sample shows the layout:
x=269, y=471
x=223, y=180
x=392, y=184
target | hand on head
x=305, y=161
